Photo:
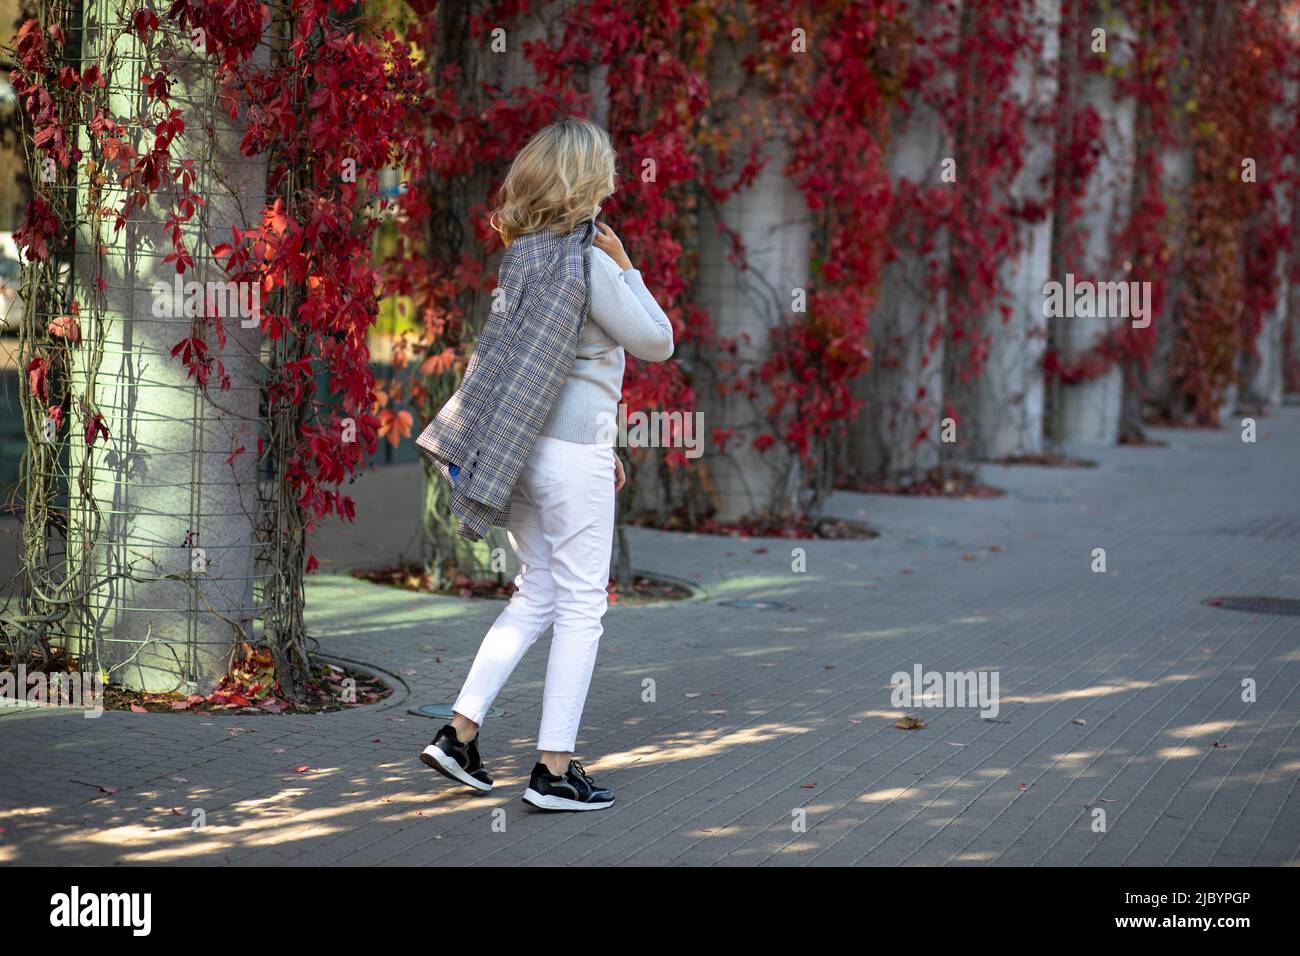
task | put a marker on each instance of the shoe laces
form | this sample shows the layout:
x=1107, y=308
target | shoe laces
x=576, y=769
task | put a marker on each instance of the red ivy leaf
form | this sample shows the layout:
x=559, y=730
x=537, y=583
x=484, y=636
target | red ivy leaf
x=65, y=327
x=94, y=428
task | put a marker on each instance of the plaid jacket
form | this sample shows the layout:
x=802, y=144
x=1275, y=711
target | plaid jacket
x=521, y=360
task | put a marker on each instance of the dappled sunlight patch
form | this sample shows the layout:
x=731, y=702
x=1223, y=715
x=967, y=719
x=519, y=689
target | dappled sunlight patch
x=1173, y=753
x=805, y=844
x=1214, y=727
x=880, y=714
x=1076, y=756
x=1096, y=690
x=156, y=844
x=258, y=804
x=263, y=824
x=695, y=747
x=1284, y=775
x=16, y=814
x=884, y=796
x=289, y=834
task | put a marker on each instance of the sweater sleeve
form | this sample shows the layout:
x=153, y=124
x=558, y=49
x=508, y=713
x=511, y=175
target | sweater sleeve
x=629, y=314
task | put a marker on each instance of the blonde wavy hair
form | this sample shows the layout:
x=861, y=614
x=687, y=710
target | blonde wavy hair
x=556, y=181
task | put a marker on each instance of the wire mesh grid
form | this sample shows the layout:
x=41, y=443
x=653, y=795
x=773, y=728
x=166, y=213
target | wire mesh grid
x=181, y=529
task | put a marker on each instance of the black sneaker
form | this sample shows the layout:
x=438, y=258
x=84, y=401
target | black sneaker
x=458, y=761
x=573, y=790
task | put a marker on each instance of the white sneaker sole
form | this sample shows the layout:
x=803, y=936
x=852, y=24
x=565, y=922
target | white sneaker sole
x=552, y=802
x=439, y=761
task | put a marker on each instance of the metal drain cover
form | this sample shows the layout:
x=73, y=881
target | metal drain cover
x=753, y=604
x=443, y=711
x=1257, y=604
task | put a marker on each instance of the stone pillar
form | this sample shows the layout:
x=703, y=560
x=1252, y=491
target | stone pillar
x=1176, y=178
x=1090, y=410
x=168, y=540
x=903, y=387
x=772, y=220
x=1267, y=366
x=1009, y=394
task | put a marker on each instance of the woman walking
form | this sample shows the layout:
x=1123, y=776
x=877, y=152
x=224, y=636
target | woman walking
x=548, y=369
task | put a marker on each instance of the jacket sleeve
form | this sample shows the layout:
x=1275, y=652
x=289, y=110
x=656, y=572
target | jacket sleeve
x=624, y=308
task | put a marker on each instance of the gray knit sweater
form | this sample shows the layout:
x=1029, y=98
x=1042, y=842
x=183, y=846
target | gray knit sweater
x=624, y=315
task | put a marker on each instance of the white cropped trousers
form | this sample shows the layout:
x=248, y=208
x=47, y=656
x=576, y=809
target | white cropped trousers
x=561, y=527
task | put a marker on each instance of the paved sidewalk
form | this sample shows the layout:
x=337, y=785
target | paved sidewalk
x=1120, y=692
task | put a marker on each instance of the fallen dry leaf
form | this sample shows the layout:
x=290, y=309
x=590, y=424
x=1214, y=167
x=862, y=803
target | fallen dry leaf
x=909, y=723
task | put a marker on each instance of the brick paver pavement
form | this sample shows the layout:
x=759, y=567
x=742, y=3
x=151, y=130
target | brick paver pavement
x=1120, y=692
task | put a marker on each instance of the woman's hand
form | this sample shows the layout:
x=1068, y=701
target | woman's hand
x=620, y=478
x=607, y=242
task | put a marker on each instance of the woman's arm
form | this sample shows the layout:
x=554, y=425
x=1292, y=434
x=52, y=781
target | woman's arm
x=625, y=309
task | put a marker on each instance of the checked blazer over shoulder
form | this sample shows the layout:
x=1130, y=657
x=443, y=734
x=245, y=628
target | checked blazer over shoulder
x=521, y=360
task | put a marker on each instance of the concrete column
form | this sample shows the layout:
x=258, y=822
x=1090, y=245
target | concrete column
x=1090, y=410
x=1266, y=368
x=168, y=540
x=1291, y=333
x=1010, y=394
x=1176, y=179
x=903, y=387
x=772, y=220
